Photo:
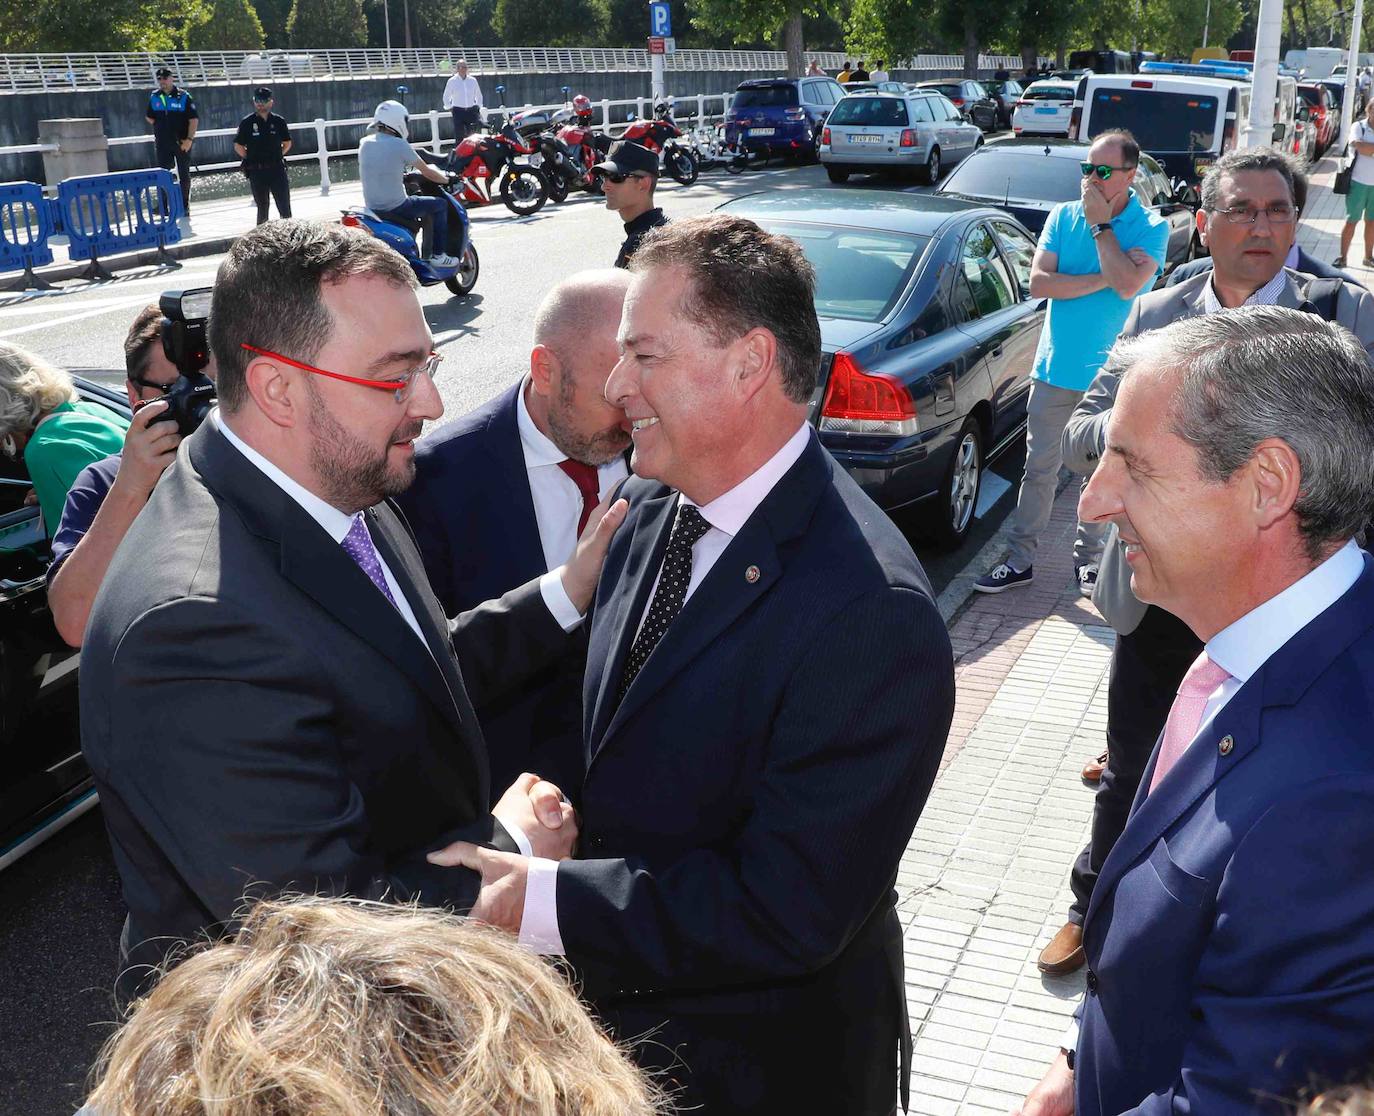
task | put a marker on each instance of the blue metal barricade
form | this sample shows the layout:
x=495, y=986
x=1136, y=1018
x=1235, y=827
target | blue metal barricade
x=111, y=213
x=25, y=226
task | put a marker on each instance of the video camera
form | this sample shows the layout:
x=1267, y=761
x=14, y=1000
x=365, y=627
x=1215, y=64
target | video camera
x=185, y=341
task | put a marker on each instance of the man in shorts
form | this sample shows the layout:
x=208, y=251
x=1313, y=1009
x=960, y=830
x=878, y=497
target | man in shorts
x=1359, y=202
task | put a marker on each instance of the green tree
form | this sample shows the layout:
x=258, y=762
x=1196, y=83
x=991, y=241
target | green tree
x=80, y=25
x=326, y=23
x=273, y=14
x=552, y=22
x=750, y=22
x=229, y=25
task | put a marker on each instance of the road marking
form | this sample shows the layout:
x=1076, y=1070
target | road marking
x=55, y=323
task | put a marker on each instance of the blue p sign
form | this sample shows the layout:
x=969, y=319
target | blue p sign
x=660, y=20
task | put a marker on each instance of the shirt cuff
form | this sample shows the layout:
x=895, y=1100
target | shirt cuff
x=516, y=834
x=539, y=923
x=556, y=598
x=1067, y=1041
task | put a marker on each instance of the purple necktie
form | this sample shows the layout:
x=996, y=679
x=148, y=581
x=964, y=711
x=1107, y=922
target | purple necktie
x=358, y=544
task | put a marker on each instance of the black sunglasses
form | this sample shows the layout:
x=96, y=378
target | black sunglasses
x=152, y=385
x=619, y=178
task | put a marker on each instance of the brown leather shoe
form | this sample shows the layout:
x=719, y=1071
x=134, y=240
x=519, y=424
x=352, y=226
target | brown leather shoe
x=1092, y=770
x=1064, y=954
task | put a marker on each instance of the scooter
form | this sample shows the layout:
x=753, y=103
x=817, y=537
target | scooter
x=401, y=235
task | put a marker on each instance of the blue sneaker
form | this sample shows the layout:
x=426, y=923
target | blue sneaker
x=1002, y=578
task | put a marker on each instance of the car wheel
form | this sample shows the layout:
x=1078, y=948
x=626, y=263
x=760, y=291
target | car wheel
x=837, y=174
x=930, y=173
x=952, y=514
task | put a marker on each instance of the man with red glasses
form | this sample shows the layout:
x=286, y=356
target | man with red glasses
x=271, y=695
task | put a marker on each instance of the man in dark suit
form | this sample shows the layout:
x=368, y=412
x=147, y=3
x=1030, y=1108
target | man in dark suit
x=1229, y=951
x=769, y=687
x=523, y=473
x=269, y=695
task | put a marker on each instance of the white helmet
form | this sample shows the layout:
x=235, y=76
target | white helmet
x=393, y=114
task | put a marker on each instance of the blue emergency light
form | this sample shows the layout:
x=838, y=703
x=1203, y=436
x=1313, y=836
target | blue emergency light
x=1201, y=69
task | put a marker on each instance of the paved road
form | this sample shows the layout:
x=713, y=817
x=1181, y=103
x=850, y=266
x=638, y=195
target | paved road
x=61, y=904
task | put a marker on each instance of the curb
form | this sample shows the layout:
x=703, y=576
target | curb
x=186, y=250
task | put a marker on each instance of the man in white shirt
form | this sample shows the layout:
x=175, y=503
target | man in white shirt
x=768, y=691
x=280, y=706
x=463, y=98
x=878, y=73
x=521, y=475
x=1228, y=937
x=1359, y=200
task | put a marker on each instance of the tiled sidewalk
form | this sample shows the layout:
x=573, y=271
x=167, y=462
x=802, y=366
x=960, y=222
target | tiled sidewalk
x=1320, y=232
x=984, y=883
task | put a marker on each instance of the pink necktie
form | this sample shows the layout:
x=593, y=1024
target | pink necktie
x=1185, y=715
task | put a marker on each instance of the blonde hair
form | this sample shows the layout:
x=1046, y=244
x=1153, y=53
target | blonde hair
x=30, y=387
x=337, y=1007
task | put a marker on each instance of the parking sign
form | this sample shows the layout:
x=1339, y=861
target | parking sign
x=660, y=20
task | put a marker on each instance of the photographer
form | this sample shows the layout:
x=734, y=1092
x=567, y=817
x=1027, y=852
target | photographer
x=106, y=496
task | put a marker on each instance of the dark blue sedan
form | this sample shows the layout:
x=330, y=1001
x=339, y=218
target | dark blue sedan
x=929, y=332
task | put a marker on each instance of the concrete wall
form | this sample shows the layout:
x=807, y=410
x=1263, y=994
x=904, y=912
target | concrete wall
x=222, y=106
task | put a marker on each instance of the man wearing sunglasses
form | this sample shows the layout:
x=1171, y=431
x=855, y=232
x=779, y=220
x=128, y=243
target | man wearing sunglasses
x=1095, y=256
x=106, y=496
x=629, y=174
x=271, y=695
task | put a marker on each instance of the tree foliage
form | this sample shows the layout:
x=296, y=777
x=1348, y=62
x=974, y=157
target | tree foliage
x=228, y=25
x=323, y=24
x=551, y=22
x=780, y=24
x=84, y=25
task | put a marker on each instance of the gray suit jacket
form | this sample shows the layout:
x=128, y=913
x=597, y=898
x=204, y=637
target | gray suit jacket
x=1085, y=436
x=260, y=719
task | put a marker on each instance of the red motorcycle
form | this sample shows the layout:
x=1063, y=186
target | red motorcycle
x=661, y=134
x=496, y=164
x=585, y=146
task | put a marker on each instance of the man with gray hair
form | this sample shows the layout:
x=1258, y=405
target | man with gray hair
x=1228, y=940
x=1248, y=221
x=501, y=495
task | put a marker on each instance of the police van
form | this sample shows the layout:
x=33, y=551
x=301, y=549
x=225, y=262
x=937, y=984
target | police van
x=1186, y=116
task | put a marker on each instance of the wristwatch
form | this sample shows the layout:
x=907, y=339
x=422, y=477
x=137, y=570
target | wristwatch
x=1069, y=1057
x=1100, y=228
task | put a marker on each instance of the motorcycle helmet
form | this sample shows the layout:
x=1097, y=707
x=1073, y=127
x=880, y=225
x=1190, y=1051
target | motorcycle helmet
x=582, y=106
x=663, y=106
x=393, y=115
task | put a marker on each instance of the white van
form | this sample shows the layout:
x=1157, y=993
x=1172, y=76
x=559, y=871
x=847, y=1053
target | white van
x=1319, y=62
x=1186, y=122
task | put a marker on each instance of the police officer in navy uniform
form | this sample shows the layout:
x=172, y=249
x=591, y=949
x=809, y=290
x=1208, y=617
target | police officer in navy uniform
x=628, y=176
x=174, y=118
x=262, y=142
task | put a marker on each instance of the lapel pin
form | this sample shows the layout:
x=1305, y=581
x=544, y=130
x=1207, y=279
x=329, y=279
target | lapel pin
x=1225, y=745
x=751, y=574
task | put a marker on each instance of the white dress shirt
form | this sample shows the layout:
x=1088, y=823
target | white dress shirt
x=462, y=92
x=1245, y=645
x=557, y=499
x=336, y=524
x=726, y=514
x=1267, y=295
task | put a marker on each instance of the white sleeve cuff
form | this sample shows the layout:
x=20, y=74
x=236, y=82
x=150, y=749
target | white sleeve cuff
x=539, y=924
x=1068, y=1040
x=556, y=598
x=516, y=834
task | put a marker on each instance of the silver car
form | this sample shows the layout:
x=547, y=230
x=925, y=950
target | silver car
x=870, y=133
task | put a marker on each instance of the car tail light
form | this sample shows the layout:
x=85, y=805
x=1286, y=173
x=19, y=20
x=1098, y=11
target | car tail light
x=1075, y=120
x=958, y=102
x=908, y=138
x=825, y=134
x=1024, y=104
x=859, y=402
x=1142, y=85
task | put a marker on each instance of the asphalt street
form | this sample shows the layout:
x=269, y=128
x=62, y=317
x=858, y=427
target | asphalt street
x=62, y=909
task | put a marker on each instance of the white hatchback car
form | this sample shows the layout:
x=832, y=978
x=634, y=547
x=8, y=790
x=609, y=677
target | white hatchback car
x=1043, y=109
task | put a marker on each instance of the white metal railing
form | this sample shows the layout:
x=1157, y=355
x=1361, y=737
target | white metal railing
x=76, y=71
x=691, y=106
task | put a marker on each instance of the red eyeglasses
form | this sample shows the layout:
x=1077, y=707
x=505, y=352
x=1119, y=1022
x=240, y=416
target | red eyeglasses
x=401, y=385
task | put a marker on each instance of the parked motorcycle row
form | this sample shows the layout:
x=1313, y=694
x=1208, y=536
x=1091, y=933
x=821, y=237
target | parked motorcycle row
x=526, y=159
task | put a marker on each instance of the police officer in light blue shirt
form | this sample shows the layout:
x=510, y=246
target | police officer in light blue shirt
x=1096, y=256
x=173, y=115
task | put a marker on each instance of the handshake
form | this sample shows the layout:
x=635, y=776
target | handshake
x=535, y=808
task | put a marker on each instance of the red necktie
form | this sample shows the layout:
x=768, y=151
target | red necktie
x=588, y=483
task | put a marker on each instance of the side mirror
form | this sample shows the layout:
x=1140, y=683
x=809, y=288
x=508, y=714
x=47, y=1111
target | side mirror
x=402, y=89
x=500, y=89
x=566, y=89
x=966, y=116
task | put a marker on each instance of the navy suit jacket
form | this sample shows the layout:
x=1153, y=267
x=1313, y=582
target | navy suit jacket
x=473, y=517
x=1230, y=938
x=1307, y=263
x=748, y=802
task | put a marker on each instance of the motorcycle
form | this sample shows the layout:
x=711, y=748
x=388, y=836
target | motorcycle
x=661, y=134
x=584, y=144
x=499, y=162
x=401, y=234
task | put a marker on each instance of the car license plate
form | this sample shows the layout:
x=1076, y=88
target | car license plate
x=865, y=139
x=761, y=131
x=1046, y=111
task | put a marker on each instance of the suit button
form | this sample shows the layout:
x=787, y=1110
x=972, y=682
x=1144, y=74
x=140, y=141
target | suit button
x=1092, y=983
x=597, y=843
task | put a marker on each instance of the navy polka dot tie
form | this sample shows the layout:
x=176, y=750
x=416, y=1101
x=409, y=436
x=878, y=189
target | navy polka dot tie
x=358, y=543
x=671, y=591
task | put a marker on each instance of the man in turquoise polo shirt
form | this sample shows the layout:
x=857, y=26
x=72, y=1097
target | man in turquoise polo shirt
x=1095, y=257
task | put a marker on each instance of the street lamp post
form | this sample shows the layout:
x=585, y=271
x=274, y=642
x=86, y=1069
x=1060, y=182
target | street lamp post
x=1259, y=129
x=1351, y=74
